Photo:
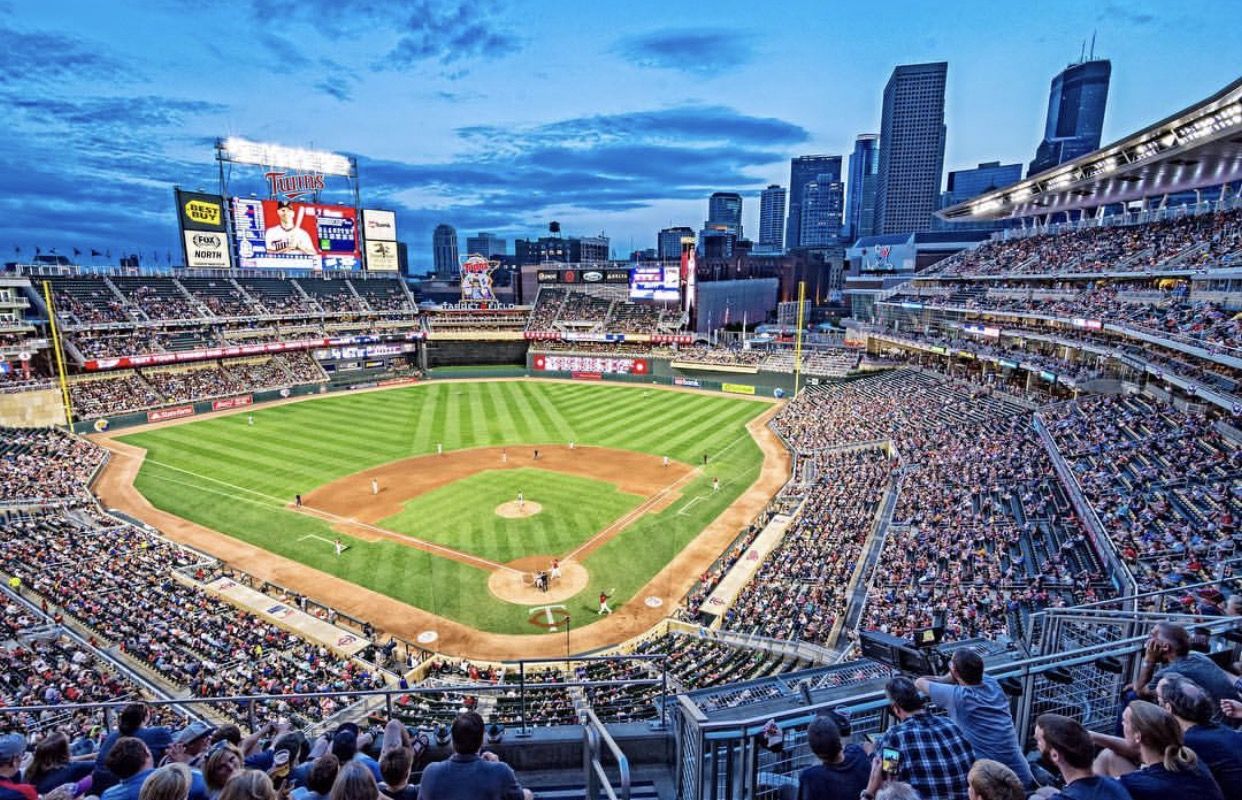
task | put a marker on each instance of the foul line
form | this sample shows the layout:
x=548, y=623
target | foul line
x=634, y=513
x=413, y=541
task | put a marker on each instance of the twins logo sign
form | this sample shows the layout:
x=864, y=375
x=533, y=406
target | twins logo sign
x=550, y=618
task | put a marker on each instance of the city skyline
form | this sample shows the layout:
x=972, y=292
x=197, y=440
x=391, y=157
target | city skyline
x=457, y=117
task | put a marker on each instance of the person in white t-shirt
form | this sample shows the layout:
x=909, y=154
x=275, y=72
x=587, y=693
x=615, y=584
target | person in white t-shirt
x=286, y=238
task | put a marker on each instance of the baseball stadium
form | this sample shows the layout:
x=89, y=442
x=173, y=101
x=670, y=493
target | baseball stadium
x=666, y=528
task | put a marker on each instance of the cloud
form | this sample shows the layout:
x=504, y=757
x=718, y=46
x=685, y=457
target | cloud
x=701, y=52
x=1113, y=12
x=43, y=58
x=508, y=177
x=447, y=34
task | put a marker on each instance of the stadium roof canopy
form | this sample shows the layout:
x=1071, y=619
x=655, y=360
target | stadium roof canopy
x=1193, y=149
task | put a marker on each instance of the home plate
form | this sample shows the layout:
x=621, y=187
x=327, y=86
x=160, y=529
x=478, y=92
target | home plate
x=427, y=637
x=654, y=602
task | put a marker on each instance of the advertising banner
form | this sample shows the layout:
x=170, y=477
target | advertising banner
x=176, y=412
x=737, y=388
x=207, y=250
x=382, y=256
x=379, y=225
x=232, y=402
x=655, y=283
x=600, y=364
x=197, y=211
x=280, y=234
x=287, y=616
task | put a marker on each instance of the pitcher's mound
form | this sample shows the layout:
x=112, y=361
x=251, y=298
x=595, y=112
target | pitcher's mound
x=512, y=510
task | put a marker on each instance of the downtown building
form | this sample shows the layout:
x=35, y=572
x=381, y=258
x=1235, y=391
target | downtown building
x=822, y=206
x=912, y=141
x=864, y=166
x=444, y=252
x=486, y=244
x=964, y=184
x=771, y=220
x=1075, y=120
x=669, y=241
x=723, y=227
x=804, y=170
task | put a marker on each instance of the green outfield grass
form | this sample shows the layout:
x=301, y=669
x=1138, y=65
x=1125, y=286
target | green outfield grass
x=463, y=515
x=237, y=479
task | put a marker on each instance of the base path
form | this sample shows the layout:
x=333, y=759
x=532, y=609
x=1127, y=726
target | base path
x=115, y=489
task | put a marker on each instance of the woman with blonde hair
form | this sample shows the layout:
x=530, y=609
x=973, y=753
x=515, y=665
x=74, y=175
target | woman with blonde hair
x=223, y=762
x=354, y=782
x=992, y=780
x=251, y=784
x=169, y=782
x=1168, y=768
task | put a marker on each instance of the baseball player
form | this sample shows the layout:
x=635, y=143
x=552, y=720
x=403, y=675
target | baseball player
x=666, y=461
x=340, y=548
x=536, y=458
x=715, y=484
x=297, y=498
x=439, y=448
x=521, y=501
x=287, y=238
x=571, y=444
x=556, y=569
x=603, y=604
x=250, y=419
x=374, y=487
x=504, y=456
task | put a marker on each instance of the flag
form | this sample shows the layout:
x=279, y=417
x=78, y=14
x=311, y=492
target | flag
x=95, y=253
x=38, y=250
x=77, y=252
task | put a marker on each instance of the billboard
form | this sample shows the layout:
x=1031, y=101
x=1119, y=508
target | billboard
x=655, y=283
x=379, y=225
x=380, y=234
x=280, y=234
x=382, y=256
x=476, y=279
x=598, y=364
x=207, y=249
x=197, y=211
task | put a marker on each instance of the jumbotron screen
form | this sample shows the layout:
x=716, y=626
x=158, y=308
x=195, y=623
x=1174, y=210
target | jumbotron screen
x=655, y=283
x=279, y=234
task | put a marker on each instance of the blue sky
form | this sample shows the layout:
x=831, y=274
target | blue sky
x=503, y=114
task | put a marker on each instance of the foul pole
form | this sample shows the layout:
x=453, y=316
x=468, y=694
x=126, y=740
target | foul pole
x=798, y=340
x=60, y=357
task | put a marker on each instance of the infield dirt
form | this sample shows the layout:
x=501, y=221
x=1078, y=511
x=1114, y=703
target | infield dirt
x=115, y=488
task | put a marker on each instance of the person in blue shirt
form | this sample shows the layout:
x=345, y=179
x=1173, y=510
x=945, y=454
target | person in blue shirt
x=1218, y=747
x=1066, y=746
x=1167, y=767
x=980, y=708
x=131, y=722
x=131, y=762
x=843, y=772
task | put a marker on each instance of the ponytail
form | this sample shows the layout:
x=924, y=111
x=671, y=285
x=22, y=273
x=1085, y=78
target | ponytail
x=1180, y=758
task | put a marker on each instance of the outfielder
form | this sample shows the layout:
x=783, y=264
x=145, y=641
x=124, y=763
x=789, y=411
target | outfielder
x=340, y=548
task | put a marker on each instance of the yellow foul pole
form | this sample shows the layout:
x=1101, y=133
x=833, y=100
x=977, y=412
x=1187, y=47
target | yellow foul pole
x=60, y=356
x=798, y=340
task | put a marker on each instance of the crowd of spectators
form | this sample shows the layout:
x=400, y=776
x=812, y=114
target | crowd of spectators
x=45, y=464
x=1163, y=482
x=1190, y=242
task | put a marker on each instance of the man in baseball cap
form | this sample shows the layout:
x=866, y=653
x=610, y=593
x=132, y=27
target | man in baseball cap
x=12, y=747
x=194, y=739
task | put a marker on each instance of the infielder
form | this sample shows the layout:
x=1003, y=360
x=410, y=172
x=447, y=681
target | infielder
x=439, y=448
x=504, y=456
x=666, y=461
x=374, y=487
x=715, y=484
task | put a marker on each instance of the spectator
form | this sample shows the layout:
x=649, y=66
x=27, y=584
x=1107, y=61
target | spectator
x=896, y=790
x=1168, y=650
x=52, y=767
x=131, y=762
x=1216, y=746
x=467, y=775
x=396, y=761
x=251, y=784
x=193, y=741
x=842, y=772
x=1066, y=745
x=132, y=724
x=345, y=748
x=354, y=782
x=169, y=782
x=992, y=780
x=1168, y=768
x=980, y=708
x=224, y=762
x=935, y=756
x=320, y=779
x=12, y=748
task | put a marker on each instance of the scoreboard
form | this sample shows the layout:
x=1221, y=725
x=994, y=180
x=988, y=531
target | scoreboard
x=272, y=234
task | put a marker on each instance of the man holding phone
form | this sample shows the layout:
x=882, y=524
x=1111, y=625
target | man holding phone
x=925, y=751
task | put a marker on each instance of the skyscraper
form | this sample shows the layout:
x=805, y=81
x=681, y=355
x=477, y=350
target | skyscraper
x=725, y=209
x=860, y=207
x=486, y=244
x=912, y=138
x=772, y=218
x=821, y=212
x=803, y=170
x=1075, y=114
x=444, y=250
x=964, y=184
x=668, y=242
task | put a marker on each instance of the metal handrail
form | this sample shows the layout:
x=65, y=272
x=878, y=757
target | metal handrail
x=593, y=732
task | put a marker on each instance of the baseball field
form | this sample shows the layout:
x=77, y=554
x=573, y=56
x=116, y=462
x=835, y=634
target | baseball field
x=437, y=499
